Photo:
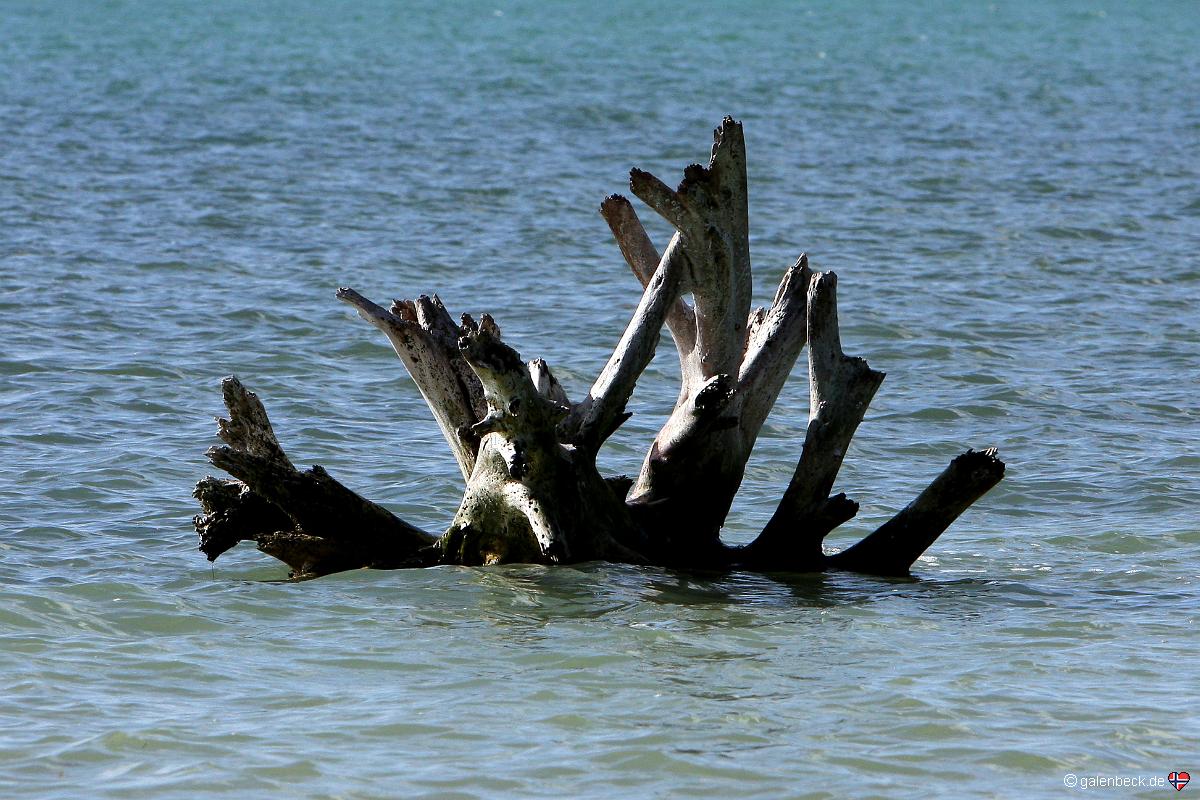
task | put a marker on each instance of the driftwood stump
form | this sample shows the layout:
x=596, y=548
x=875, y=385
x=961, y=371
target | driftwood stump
x=528, y=454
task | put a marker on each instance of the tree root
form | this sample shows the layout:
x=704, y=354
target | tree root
x=528, y=455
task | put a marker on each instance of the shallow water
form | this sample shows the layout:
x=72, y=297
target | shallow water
x=1009, y=194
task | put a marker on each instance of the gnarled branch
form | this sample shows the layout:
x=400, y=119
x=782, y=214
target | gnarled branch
x=330, y=528
x=595, y=418
x=426, y=339
x=840, y=389
x=776, y=338
x=897, y=544
x=643, y=259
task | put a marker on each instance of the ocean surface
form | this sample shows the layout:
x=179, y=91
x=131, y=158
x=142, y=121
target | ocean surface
x=1008, y=191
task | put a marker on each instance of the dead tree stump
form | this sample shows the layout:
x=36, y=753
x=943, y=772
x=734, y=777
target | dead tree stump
x=528, y=454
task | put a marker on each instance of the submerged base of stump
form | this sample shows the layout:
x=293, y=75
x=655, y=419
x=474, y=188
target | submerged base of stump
x=528, y=454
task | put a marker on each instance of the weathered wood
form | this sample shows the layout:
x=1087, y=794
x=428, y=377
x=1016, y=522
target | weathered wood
x=352, y=531
x=546, y=384
x=840, y=389
x=426, y=339
x=709, y=209
x=528, y=455
x=233, y=514
x=530, y=498
x=643, y=260
x=696, y=463
x=603, y=410
x=775, y=340
x=896, y=545
x=694, y=466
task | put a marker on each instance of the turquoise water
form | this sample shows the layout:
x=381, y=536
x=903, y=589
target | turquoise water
x=1009, y=192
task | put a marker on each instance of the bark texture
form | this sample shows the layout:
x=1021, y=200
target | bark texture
x=528, y=454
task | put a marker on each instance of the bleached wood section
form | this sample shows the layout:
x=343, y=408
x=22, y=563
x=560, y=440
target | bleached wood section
x=643, y=259
x=426, y=339
x=599, y=414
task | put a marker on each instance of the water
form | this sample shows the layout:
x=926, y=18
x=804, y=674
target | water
x=1008, y=192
